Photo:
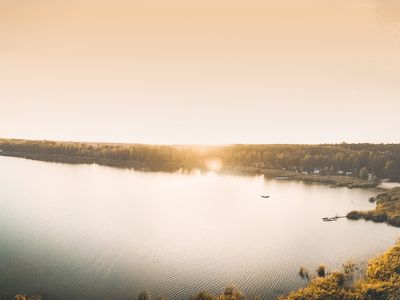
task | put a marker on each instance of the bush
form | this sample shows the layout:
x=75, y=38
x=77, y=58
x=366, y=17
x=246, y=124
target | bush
x=321, y=271
x=363, y=174
x=382, y=281
x=231, y=293
x=144, y=296
x=379, y=217
x=202, y=296
x=303, y=272
x=354, y=215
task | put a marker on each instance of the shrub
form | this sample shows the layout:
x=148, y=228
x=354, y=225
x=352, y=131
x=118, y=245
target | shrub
x=354, y=215
x=321, y=271
x=379, y=217
x=231, y=293
x=144, y=296
x=202, y=296
x=382, y=281
x=303, y=272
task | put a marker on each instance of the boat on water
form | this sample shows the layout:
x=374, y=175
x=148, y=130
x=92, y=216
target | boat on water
x=329, y=219
x=265, y=196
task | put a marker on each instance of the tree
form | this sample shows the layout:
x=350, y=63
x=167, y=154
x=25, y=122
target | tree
x=321, y=271
x=144, y=296
x=363, y=173
x=392, y=170
x=202, y=296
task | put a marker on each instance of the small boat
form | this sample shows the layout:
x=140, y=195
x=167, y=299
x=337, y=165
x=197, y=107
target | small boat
x=265, y=196
x=329, y=219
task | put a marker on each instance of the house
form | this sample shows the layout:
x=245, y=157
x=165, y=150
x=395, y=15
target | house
x=258, y=165
x=317, y=171
x=340, y=172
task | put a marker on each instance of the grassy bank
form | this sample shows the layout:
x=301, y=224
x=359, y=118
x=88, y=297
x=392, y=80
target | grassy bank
x=332, y=180
x=381, y=281
x=382, y=277
x=387, y=209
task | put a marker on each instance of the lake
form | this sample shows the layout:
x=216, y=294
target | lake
x=95, y=232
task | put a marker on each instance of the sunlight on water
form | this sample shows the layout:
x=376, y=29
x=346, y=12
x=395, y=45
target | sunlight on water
x=214, y=164
x=93, y=232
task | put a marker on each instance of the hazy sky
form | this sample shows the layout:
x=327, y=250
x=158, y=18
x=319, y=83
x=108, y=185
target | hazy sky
x=298, y=71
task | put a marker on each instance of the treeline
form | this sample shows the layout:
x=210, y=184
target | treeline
x=358, y=160
x=123, y=155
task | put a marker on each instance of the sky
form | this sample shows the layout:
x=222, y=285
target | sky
x=200, y=72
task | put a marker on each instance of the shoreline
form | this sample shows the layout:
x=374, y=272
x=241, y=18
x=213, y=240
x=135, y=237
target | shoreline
x=387, y=209
x=332, y=180
x=123, y=164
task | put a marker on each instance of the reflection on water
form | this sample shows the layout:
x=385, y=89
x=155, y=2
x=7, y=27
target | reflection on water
x=92, y=232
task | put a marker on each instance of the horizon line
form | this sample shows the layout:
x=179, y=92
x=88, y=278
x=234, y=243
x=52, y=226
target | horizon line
x=192, y=144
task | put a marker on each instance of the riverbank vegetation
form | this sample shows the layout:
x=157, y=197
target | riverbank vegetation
x=363, y=161
x=381, y=281
x=387, y=209
x=332, y=180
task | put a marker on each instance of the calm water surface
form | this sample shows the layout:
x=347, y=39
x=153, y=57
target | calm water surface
x=93, y=232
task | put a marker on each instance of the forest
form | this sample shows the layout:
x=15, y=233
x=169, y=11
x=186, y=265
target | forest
x=357, y=160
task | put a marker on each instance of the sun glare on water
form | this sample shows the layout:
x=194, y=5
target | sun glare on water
x=214, y=164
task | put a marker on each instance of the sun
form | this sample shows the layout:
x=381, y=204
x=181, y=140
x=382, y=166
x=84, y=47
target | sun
x=214, y=164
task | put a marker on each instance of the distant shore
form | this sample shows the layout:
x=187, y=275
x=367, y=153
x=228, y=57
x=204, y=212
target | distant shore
x=127, y=164
x=332, y=180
